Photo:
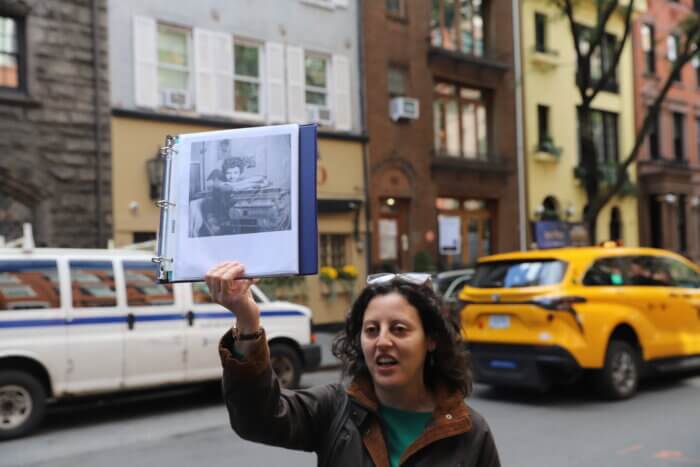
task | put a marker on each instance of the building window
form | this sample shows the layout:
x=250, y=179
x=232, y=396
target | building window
x=460, y=122
x=605, y=136
x=316, y=79
x=672, y=45
x=654, y=137
x=615, y=224
x=678, y=137
x=174, y=64
x=647, y=36
x=540, y=32
x=682, y=231
x=697, y=135
x=396, y=8
x=11, y=59
x=247, y=62
x=458, y=25
x=601, y=59
x=332, y=248
x=396, y=81
x=543, y=137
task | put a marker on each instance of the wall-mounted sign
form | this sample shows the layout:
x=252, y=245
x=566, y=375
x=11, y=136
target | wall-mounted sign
x=552, y=234
x=449, y=235
x=388, y=241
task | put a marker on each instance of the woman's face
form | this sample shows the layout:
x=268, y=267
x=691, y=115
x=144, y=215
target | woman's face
x=394, y=343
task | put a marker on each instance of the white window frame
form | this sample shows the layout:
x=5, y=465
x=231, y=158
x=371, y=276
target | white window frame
x=260, y=81
x=190, y=63
x=329, y=74
x=327, y=4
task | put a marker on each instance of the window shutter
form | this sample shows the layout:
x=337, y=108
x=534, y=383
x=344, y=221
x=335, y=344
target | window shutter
x=221, y=44
x=296, y=99
x=276, y=100
x=341, y=3
x=204, y=78
x=342, y=103
x=145, y=64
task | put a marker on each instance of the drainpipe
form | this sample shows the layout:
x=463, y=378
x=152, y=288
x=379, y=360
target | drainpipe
x=519, y=130
x=365, y=146
x=98, y=126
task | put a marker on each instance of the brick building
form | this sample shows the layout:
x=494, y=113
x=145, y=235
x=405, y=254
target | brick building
x=669, y=164
x=451, y=165
x=53, y=172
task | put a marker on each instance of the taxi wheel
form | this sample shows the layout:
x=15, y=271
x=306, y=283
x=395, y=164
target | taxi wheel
x=286, y=364
x=619, y=378
x=22, y=404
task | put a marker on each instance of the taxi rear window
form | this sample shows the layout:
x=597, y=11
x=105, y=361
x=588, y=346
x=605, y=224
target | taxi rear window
x=513, y=274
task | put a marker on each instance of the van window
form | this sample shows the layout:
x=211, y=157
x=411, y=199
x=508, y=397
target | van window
x=682, y=275
x=605, y=271
x=29, y=285
x=142, y=288
x=513, y=274
x=92, y=284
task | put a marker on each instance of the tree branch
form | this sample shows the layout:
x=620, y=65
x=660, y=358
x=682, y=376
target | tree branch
x=612, y=69
x=689, y=50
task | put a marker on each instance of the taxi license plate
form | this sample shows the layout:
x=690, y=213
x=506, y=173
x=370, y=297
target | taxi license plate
x=499, y=321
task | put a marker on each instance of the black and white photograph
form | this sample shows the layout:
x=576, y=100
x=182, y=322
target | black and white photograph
x=240, y=186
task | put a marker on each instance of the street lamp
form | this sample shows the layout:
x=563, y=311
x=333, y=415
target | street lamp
x=155, y=176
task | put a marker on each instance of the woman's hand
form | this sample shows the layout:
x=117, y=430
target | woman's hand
x=229, y=289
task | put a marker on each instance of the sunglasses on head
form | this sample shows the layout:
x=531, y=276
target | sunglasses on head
x=415, y=278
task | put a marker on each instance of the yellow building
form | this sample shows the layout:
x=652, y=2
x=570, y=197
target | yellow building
x=551, y=100
x=342, y=228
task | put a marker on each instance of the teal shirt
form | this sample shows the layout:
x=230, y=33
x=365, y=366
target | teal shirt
x=401, y=428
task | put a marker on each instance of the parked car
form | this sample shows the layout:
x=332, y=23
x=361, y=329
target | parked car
x=83, y=322
x=448, y=284
x=541, y=317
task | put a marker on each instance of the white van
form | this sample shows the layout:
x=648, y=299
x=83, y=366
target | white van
x=79, y=322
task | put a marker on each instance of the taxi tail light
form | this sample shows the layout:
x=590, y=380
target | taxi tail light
x=559, y=303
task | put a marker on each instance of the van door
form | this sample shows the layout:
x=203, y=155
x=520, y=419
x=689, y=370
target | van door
x=155, y=334
x=686, y=296
x=96, y=328
x=206, y=323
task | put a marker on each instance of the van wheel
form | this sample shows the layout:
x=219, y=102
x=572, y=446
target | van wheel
x=22, y=404
x=286, y=364
x=619, y=378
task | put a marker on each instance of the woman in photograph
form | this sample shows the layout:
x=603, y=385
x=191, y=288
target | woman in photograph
x=408, y=371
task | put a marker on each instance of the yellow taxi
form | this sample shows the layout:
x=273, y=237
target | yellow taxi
x=537, y=318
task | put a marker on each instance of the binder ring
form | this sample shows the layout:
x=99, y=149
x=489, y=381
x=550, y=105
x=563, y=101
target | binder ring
x=164, y=203
x=161, y=260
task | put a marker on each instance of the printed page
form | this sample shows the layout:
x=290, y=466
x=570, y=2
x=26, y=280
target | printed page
x=237, y=195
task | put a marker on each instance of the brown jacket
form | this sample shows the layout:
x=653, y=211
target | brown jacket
x=342, y=425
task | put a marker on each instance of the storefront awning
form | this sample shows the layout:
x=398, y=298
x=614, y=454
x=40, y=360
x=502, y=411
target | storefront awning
x=327, y=206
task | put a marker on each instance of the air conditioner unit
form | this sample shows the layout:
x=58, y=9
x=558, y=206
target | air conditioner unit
x=404, y=108
x=174, y=98
x=319, y=114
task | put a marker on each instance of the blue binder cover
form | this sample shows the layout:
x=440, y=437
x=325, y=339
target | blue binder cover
x=308, y=215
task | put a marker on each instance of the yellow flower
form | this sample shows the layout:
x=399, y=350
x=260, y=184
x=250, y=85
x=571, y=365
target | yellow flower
x=349, y=271
x=328, y=273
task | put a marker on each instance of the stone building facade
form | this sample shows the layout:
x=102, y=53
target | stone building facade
x=53, y=172
x=669, y=163
x=450, y=169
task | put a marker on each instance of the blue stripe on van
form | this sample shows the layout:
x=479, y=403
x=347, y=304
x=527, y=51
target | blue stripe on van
x=33, y=323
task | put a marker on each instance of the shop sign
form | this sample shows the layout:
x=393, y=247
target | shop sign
x=449, y=235
x=552, y=234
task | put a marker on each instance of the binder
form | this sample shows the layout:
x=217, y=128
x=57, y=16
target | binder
x=244, y=218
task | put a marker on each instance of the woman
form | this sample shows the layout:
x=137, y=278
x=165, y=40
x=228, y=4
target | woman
x=405, y=404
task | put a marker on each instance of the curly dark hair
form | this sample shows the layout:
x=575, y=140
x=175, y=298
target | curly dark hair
x=232, y=162
x=450, y=362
